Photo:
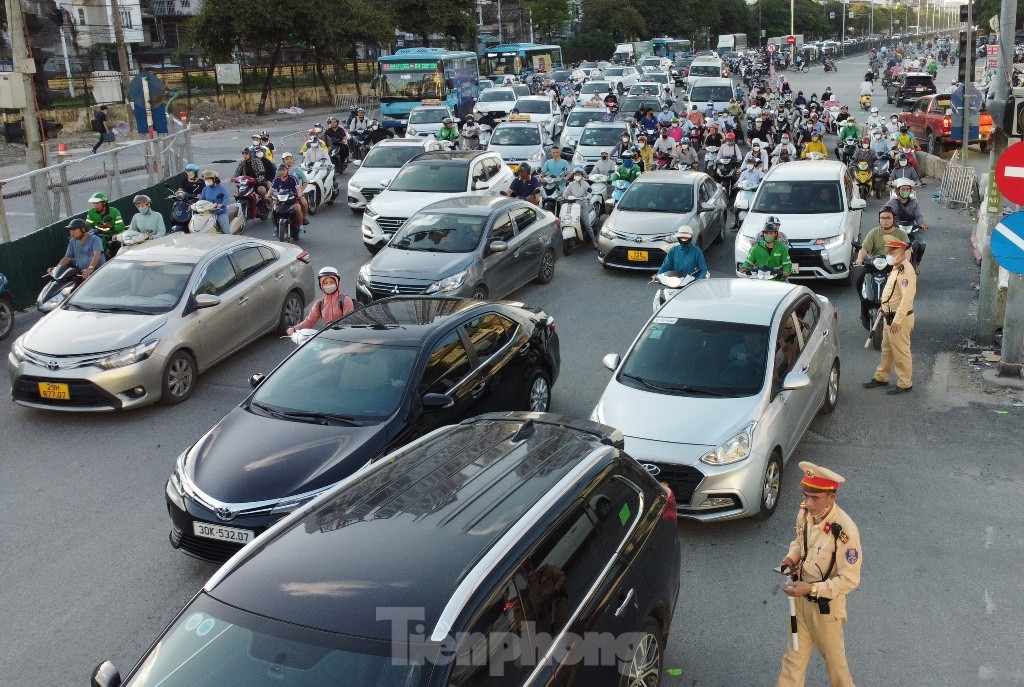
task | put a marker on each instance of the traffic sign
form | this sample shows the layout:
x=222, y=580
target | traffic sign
x=791, y=40
x=1010, y=173
x=1008, y=243
x=772, y=47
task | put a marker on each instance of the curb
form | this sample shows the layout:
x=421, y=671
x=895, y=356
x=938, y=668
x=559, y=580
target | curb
x=992, y=377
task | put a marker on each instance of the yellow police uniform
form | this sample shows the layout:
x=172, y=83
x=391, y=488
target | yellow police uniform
x=898, y=300
x=816, y=546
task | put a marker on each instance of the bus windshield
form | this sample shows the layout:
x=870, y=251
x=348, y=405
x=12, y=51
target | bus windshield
x=411, y=85
x=504, y=63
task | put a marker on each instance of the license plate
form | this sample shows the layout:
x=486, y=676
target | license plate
x=514, y=168
x=636, y=255
x=55, y=392
x=231, y=534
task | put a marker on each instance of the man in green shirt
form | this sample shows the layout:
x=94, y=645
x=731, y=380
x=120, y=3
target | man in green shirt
x=769, y=253
x=874, y=242
x=448, y=132
x=106, y=222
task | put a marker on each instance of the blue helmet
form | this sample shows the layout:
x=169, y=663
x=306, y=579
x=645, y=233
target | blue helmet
x=191, y=167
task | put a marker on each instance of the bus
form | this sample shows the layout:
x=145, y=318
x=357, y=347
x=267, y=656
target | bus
x=520, y=59
x=413, y=75
x=673, y=48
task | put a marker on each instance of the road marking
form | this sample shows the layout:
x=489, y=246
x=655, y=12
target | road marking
x=988, y=536
x=1010, y=236
x=990, y=605
x=1014, y=172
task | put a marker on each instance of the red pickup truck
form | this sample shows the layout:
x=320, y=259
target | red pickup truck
x=931, y=121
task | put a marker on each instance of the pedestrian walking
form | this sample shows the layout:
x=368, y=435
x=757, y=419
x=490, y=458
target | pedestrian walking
x=898, y=312
x=825, y=559
x=101, y=126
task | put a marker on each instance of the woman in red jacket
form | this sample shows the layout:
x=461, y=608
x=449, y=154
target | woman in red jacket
x=334, y=305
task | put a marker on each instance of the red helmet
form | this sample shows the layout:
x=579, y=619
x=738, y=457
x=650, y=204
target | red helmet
x=642, y=139
x=730, y=136
x=866, y=140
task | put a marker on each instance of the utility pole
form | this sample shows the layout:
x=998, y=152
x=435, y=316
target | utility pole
x=122, y=58
x=968, y=84
x=30, y=118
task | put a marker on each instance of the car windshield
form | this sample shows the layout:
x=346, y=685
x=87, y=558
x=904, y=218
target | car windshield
x=329, y=378
x=521, y=90
x=215, y=644
x=658, y=197
x=659, y=77
x=145, y=287
x=698, y=357
x=718, y=94
x=485, y=83
x=495, y=95
x=651, y=62
x=561, y=75
x=579, y=118
x=592, y=87
x=918, y=81
x=430, y=116
x=385, y=156
x=601, y=136
x=437, y=232
x=631, y=105
x=516, y=136
x=614, y=71
x=534, y=106
x=431, y=177
x=804, y=197
x=705, y=70
x=639, y=88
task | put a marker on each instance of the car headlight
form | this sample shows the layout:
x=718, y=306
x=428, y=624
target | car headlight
x=832, y=242
x=476, y=110
x=409, y=131
x=364, y=274
x=128, y=356
x=370, y=212
x=744, y=243
x=577, y=158
x=355, y=186
x=448, y=283
x=18, y=349
x=606, y=232
x=538, y=156
x=733, y=449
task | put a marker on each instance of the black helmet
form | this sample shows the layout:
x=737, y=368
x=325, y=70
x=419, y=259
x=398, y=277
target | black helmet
x=78, y=224
x=524, y=168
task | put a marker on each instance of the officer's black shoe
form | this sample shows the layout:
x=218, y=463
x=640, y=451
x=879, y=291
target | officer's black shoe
x=873, y=383
x=899, y=390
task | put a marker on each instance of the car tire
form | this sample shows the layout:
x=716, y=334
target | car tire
x=538, y=392
x=546, y=272
x=831, y=389
x=479, y=293
x=291, y=312
x=646, y=664
x=6, y=319
x=771, y=486
x=178, y=380
x=933, y=145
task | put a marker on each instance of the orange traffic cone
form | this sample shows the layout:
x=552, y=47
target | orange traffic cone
x=62, y=149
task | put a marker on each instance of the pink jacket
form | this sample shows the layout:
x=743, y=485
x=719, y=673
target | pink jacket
x=329, y=308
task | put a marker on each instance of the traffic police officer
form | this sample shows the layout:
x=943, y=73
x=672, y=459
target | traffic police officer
x=825, y=558
x=898, y=313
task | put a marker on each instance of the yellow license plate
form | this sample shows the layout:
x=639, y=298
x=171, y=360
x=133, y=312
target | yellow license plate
x=636, y=255
x=514, y=168
x=56, y=392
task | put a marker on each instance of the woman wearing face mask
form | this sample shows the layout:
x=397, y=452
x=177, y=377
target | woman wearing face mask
x=145, y=221
x=686, y=257
x=334, y=305
x=191, y=185
x=903, y=170
x=215, y=192
x=880, y=145
x=579, y=187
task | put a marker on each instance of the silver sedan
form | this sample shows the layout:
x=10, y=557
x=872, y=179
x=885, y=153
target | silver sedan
x=717, y=390
x=146, y=324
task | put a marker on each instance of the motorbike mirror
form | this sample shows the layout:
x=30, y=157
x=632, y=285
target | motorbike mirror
x=437, y=401
x=611, y=361
x=105, y=675
x=710, y=205
x=205, y=300
x=497, y=246
x=741, y=204
x=795, y=381
x=256, y=379
x=858, y=204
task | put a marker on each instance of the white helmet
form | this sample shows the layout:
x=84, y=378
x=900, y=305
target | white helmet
x=328, y=272
x=685, y=232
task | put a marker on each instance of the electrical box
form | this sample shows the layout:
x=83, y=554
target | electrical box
x=12, y=91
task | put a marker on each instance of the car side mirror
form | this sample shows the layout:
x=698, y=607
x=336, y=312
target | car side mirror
x=795, y=381
x=355, y=163
x=858, y=204
x=256, y=379
x=105, y=675
x=480, y=185
x=497, y=246
x=385, y=182
x=437, y=401
x=205, y=300
x=611, y=361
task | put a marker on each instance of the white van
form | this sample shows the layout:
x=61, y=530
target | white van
x=705, y=66
x=718, y=90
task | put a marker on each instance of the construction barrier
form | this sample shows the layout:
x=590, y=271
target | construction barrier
x=959, y=184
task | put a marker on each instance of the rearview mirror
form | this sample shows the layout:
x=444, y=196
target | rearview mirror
x=205, y=300
x=795, y=381
x=105, y=675
x=611, y=361
x=437, y=401
x=257, y=379
x=497, y=246
x=858, y=204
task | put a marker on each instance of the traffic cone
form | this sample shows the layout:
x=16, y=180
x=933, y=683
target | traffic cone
x=183, y=117
x=62, y=149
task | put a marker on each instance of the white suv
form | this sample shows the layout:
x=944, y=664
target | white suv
x=381, y=164
x=621, y=78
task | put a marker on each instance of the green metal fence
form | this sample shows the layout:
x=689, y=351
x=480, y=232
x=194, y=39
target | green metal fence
x=26, y=260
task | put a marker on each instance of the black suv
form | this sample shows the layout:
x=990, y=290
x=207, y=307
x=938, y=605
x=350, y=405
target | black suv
x=908, y=87
x=512, y=549
x=369, y=383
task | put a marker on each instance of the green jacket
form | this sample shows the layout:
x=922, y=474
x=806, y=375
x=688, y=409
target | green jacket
x=847, y=132
x=448, y=134
x=112, y=217
x=777, y=257
x=629, y=174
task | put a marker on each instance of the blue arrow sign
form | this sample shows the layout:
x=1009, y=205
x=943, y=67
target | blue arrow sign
x=1008, y=243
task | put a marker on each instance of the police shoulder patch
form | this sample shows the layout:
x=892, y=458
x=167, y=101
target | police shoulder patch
x=851, y=556
x=905, y=283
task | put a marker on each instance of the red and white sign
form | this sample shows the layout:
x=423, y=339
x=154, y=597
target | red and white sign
x=772, y=47
x=1010, y=173
x=791, y=40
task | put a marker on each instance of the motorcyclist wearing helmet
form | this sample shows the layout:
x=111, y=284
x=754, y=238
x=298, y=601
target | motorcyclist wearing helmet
x=849, y=130
x=675, y=130
x=106, y=222
x=752, y=171
x=769, y=252
x=378, y=133
x=265, y=142
x=256, y=167
x=85, y=249
x=880, y=144
x=337, y=142
x=908, y=212
x=358, y=128
x=903, y=170
x=759, y=151
x=664, y=145
x=191, y=184
x=333, y=306
x=287, y=182
x=146, y=221
x=315, y=148
x=448, y=131
x=799, y=100
x=875, y=120
x=471, y=132
x=623, y=147
x=579, y=187
x=684, y=156
x=215, y=192
x=815, y=146
x=605, y=165
x=666, y=115
x=646, y=153
x=729, y=149
x=526, y=185
x=628, y=170
x=685, y=257
x=785, y=151
x=713, y=137
x=864, y=152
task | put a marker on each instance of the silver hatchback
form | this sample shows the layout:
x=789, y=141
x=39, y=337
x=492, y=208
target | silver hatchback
x=718, y=388
x=147, y=323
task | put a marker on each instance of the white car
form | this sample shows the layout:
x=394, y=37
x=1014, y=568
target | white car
x=426, y=120
x=428, y=178
x=495, y=103
x=542, y=110
x=381, y=164
x=519, y=141
x=652, y=87
x=621, y=78
x=820, y=211
x=654, y=64
x=587, y=91
x=578, y=118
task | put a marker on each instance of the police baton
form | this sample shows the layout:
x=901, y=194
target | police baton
x=793, y=637
x=877, y=323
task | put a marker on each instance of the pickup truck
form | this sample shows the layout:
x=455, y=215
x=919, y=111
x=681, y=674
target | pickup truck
x=930, y=119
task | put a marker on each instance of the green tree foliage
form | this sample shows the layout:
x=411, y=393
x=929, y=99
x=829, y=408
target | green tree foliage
x=593, y=45
x=452, y=18
x=619, y=18
x=549, y=16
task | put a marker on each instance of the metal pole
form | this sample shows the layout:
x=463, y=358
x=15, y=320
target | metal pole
x=67, y=62
x=5, y=230
x=968, y=85
x=988, y=281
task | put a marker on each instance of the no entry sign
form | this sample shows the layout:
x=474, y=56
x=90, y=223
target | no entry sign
x=1010, y=173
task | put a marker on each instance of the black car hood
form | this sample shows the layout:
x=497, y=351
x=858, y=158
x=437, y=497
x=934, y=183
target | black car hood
x=248, y=457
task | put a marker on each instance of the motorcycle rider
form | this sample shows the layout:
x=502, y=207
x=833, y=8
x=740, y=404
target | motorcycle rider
x=471, y=132
x=864, y=152
x=826, y=95
x=358, y=128
x=447, y=132
x=288, y=182
x=675, y=131
x=337, y=140
x=666, y=115
x=785, y=151
x=579, y=187
x=906, y=139
x=315, y=148
x=645, y=152
x=557, y=167
x=333, y=306
x=751, y=173
x=288, y=160
x=880, y=145
x=844, y=114
x=106, y=221
x=215, y=192
x=526, y=186
x=815, y=146
x=265, y=142
x=875, y=121
x=260, y=150
x=849, y=130
x=761, y=130
x=686, y=257
x=684, y=156
x=759, y=151
x=907, y=211
x=768, y=252
x=191, y=184
x=903, y=170
x=145, y=221
x=713, y=137
x=623, y=146
x=695, y=117
x=799, y=101
x=378, y=133
x=664, y=146
x=627, y=171
x=256, y=167
x=605, y=165
x=647, y=122
x=874, y=241
x=85, y=249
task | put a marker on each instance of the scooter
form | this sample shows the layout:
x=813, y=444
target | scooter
x=865, y=102
x=744, y=197
x=600, y=191
x=619, y=187
x=61, y=281
x=284, y=216
x=203, y=219
x=252, y=204
x=301, y=336
x=549, y=192
x=880, y=174
x=340, y=164
x=872, y=282
x=830, y=66
x=6, y=308
x=849, y=148
x=570, y=219
x=710, y=153
x=181, y=211
x=322, y=184
x=131, y=238
x=725, y=173
x=671, y=284
x=864, y=176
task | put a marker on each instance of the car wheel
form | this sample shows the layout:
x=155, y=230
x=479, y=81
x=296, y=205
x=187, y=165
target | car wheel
x=771, y=485
x=479, y=293
x=291, y=312
x=179, y=378
x=831, y=389
x=547, y=267
x=6, y=319
x=933, y=144
x=644, y=667
x=538, y=399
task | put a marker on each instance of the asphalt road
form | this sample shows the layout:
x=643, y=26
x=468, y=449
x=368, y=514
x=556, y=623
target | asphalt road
x=933, y=481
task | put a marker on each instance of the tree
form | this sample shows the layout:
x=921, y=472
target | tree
x=423, y=18
x=596, y=45
x=618, y=18
x=549, y=16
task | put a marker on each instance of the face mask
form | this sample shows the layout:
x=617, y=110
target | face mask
x=208, y=182
x=890, y=259
x=903, y=163
x=627, y=164
x=578, y=177
x=375, y=126
x=329, y=288
x=750, y=166
x=683, y=242
x=904, y=194
x=144, y=209
x=864, y=146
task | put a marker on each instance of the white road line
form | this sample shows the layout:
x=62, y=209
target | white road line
x=1010, y=236
x=989, y=532
x=990, y=605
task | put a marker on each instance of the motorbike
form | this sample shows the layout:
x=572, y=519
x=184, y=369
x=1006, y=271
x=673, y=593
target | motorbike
x=864, y=176
x=872, y=282
x=60, y=282
x=710, y=153
x=662, y=161
x=301, y=336
x=865, y=102
x=203, y=219
x=916, y=243
x=619, y=187
x=741, y=205
x=550, y=189
x=252, y=205
x=800, y=66
x=570, y=219
x=181, y=211
x=848, y=149
x=322, y=184
x=600, y=190
x=6, y=308
x=725, y=173
x=285, y=221
x=765, y=274
x=671, y=284
x=880, y=174
x=830, y=66
x=340, y=163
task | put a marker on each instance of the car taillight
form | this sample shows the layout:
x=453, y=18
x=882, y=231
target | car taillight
x=946, y=124
x=303, y=257
x=669, y=514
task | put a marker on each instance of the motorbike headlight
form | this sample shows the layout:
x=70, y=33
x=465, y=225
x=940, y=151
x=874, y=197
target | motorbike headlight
x=832, y=242
x=448, y=283
x=18, y=349
x=744, y=243
x=364, y=274
x=128, y=356
x=409, y=131
x=732, y=450
x=370, y=212
x=538, y=156
x=879, y=263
